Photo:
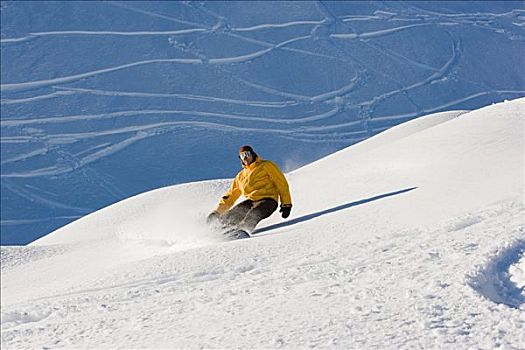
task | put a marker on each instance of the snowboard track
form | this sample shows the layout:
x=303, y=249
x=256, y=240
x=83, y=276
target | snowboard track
x=493, y=282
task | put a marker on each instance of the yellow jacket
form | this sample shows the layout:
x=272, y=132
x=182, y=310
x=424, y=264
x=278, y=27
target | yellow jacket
x=261, y=179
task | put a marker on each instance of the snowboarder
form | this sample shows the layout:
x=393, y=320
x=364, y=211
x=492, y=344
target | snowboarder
x=262, y=184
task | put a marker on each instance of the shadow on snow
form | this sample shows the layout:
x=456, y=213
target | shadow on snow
x=329, y=211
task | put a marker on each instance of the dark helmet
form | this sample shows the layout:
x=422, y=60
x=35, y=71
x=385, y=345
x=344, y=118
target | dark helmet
x=247, y=148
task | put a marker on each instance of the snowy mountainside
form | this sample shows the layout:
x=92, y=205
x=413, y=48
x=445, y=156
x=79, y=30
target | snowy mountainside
x=414, y=238
x=102, y=100
x=173, y=208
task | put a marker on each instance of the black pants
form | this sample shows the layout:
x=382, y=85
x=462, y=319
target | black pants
x=246, y=215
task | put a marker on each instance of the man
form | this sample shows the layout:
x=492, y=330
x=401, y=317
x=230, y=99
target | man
x=263, y=185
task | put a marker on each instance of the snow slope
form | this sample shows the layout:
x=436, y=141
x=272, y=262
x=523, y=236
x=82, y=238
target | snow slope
x=414, y=238
x=102, y=100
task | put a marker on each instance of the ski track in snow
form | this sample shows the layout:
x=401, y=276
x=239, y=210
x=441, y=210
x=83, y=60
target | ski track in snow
x=32, y=196
x=225, y=60
x=141, y=132
x=448, y=19
x=493, y=280
x=308, y=134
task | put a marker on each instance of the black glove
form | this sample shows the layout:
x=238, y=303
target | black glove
x=213, y=217
x=285, y=210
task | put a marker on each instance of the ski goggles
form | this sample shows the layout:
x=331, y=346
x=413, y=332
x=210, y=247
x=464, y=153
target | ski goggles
x=245, y=155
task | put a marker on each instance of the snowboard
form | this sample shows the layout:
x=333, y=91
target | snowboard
x=234, y=234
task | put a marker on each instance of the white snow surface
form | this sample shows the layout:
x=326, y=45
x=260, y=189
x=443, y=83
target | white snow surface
x=414, y=238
